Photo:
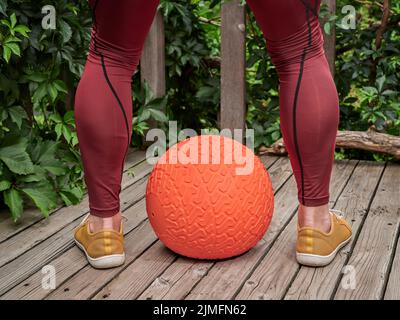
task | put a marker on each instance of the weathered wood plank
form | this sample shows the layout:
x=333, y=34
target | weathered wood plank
x=31, y=288
x=131, y=282
x=372, y=254
x=275, y=272
x=233, y=53
x=393, y=287
x=177, y=281
x=38, y=232
x=330, y=39
x=320, y=283
x=152, y=61
x=30, y=261
x=85, y=289
x=227, y=278
x=32, y=215
x=73, y=261
x=87, y=282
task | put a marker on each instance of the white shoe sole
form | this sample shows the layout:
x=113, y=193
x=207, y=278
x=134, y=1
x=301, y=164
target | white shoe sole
x=314, y=260
x=106, y=262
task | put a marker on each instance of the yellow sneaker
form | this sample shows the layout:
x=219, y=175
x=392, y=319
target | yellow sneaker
x=103, y=249
x=316, y=248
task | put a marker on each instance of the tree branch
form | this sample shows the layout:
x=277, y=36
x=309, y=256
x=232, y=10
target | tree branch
x=370, y=141
x=379, y=37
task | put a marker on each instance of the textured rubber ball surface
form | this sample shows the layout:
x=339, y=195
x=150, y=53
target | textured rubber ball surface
x=206, y=210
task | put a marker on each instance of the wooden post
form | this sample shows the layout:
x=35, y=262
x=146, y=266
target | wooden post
x=330, y=40
x=152, y=63
x=233, y=66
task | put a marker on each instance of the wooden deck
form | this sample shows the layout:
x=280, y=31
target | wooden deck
x=367, y=192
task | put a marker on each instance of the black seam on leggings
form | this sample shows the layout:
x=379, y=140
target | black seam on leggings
x=110, y=85
x=316, y=7
x=296, y=96
x=310, y=8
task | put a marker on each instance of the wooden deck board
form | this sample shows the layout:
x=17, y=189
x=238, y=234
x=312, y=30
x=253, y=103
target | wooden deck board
x=372, y=254
x=276, y=270
x=41, y=230
x=393, y=287
x=170, y=285
x=131, y=282
x=24, y=265
x=227, y=276
x=320, y=283
x=32, y=215
x=89, y=281
x=135, y=216
x=311, y=283
x=126, y=276
x=268, y=271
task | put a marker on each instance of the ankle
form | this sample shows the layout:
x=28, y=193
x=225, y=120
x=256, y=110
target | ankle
x=315, y=217
x=111, y=223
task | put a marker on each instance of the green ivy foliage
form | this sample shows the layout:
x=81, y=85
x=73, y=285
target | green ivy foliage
x=40, y=68
x=39, y=160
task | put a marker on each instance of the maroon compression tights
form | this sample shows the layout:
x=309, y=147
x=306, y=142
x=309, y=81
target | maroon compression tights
x=308, y=97
x=309, y=106
x=103, y=103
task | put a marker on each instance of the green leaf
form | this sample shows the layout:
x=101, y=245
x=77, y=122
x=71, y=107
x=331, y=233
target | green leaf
x=4, y=185
x=6, y=23
x=380, y=82
x=60, y=86
x=13, y=200
x=67, y=133
x=44, y=154
x=275, y=135
x=44, y=151
x=158, y=115
x=16, y=158
x=71, y=197
x=55, y=166
x=21, y=29
x=58, y=129
x=13, y=20
x=39, y=93
x=65, y=30
x=31, y=178
x=37, y=77
x=145, y=115
x=11, y=39
x=52, y=91
x=56, y=118
x=17, y=114
x=6, y=53
x=69, y=117
x=3, y=7
x=205, y=92
x=14, y=47
x=43, y=197
x=327, y=28
x=388, y=92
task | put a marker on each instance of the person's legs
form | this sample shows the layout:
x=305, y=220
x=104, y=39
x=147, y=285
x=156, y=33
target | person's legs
x=309, y=106
x=103, y=105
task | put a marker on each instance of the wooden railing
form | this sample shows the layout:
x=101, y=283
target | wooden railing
x=233, y=84
x=233, y=53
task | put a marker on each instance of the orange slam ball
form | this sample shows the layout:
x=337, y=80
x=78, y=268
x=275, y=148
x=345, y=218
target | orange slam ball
x=202, y=206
